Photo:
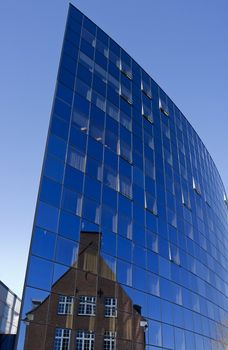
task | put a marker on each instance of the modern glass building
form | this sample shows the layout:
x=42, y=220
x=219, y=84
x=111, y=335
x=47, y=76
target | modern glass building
x=130, y=241
x=9, y=315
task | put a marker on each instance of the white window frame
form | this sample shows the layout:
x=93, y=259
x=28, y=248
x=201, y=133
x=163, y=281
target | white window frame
x=110, y=307
x=109, y=340
x=83, y=337
x=65, y=305
x=86, y=302
x=61, y=337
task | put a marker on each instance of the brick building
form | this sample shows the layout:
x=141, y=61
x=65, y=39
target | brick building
x=86, y=307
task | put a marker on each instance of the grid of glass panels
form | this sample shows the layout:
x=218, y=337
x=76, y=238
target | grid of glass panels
x=122, y=161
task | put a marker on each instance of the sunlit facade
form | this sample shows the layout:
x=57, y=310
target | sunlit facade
x=130, y=241
x=9, y=316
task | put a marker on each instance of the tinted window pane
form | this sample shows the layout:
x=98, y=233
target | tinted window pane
x=40, y=273
x=43, y=243
x=54, y=168
x=69, y=225
x=47, y=217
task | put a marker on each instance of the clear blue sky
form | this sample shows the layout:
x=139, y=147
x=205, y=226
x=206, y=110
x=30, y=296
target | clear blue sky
x=181, y=44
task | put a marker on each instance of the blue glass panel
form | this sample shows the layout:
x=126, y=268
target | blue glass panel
x=75, y=14
x=69, y=225
x=95, y=149
x=85, y=75
x=152, y=261
x=60, y=128
x=91, y=210
x=73, y=179
x=70, y=48
x=124, y=226
x=50, y=192
x=40, y=273
x=139, y=278
x=66, y=251
x=75, y=28
x=108, y=242
x=89, y=226
x=109, y=197
x=154, y=308
x=190, y=341
x=43, y=243
x=139, y=235
x=71, y=201
x=61, y=109
x=59, y=271
x=57, y=147
x=154, y=329
x=124, y=272
x=70, y=64
x=153, y=284
x=92, y=189
x=124, y=249
x=78, y=139
x=109, y=218
x=139, y=256
x=87, y=48
x=167, y=336
x=94, y=168
x=66, y=78
x=89, y=25
x=53, y=168
x=47, y=217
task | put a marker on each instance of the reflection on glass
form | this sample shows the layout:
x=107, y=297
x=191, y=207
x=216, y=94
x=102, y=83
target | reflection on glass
x=86, y=308
x=121, y=159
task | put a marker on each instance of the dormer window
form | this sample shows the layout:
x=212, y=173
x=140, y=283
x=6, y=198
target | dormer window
x=163, y=107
